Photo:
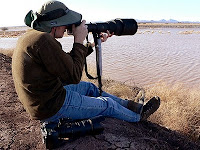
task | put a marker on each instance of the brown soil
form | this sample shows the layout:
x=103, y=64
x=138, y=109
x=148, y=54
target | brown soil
x=14, y=34
x=19, y=132
x=9, y=34
x=169, y=25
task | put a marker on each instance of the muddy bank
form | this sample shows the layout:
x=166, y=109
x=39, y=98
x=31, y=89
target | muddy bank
x=168, y=25
x=19, y=132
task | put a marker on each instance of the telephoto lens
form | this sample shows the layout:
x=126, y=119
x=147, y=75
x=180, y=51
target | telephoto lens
x=118, y=27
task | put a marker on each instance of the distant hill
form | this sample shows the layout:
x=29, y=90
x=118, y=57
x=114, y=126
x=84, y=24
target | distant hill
x=166, y=21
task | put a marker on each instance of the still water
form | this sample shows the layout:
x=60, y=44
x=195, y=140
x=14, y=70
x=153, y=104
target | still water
x=150, y=56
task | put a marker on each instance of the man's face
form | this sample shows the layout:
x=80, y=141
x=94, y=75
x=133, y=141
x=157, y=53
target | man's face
x=59, y=31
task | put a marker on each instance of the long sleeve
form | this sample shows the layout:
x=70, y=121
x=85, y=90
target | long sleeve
x=67, y=66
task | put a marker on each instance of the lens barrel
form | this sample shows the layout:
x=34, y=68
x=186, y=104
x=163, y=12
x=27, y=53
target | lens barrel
x=54, y=134
x=118, y=27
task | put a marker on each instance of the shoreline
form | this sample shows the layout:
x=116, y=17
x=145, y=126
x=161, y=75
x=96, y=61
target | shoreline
x=12, y=32
x=168, y=25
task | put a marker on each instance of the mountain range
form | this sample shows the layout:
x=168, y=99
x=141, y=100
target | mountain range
x=167, y=21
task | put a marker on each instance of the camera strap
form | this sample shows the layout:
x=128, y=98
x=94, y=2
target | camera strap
x=97, y=42
x=86, y=68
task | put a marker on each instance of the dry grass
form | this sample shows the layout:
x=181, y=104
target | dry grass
x=179, y=110
x=189, y=32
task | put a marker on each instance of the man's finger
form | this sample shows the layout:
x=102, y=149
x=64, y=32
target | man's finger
x=83, y=22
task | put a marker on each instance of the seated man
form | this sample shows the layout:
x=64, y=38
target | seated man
x=47, y=79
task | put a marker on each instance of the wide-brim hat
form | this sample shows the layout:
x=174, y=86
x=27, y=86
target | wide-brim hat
x=52, y=14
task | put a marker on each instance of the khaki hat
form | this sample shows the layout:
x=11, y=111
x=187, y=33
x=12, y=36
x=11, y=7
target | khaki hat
x=52, y=14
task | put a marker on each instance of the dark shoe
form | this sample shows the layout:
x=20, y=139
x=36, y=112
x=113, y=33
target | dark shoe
x=136, y=105
x=150, y=107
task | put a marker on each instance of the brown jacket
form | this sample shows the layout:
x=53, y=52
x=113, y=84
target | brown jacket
x=40, y=68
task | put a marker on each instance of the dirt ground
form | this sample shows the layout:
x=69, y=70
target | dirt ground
x=17, y=131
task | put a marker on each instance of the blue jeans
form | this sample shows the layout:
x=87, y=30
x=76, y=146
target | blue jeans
x=83, y=101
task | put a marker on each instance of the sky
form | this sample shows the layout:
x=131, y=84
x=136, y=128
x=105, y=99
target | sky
x=12, y=12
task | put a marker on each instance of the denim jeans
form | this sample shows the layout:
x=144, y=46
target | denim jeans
x=83, y=101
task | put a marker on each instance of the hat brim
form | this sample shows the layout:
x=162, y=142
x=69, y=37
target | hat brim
x=70, y=18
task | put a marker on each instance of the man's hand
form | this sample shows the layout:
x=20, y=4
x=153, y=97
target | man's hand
x=105, y=36
x=80, y=32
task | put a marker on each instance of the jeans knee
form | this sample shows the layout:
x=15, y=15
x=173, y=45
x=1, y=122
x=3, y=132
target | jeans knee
x=93, y=90
x=92, y=85
x=111, y=104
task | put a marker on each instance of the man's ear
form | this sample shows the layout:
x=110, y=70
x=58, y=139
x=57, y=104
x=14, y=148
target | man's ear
x=53, y=29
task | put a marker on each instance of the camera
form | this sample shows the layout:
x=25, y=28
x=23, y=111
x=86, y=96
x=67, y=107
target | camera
x=117, y=26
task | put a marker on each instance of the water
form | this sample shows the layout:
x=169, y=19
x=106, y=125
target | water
x=8, y=42
x=150, y=56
